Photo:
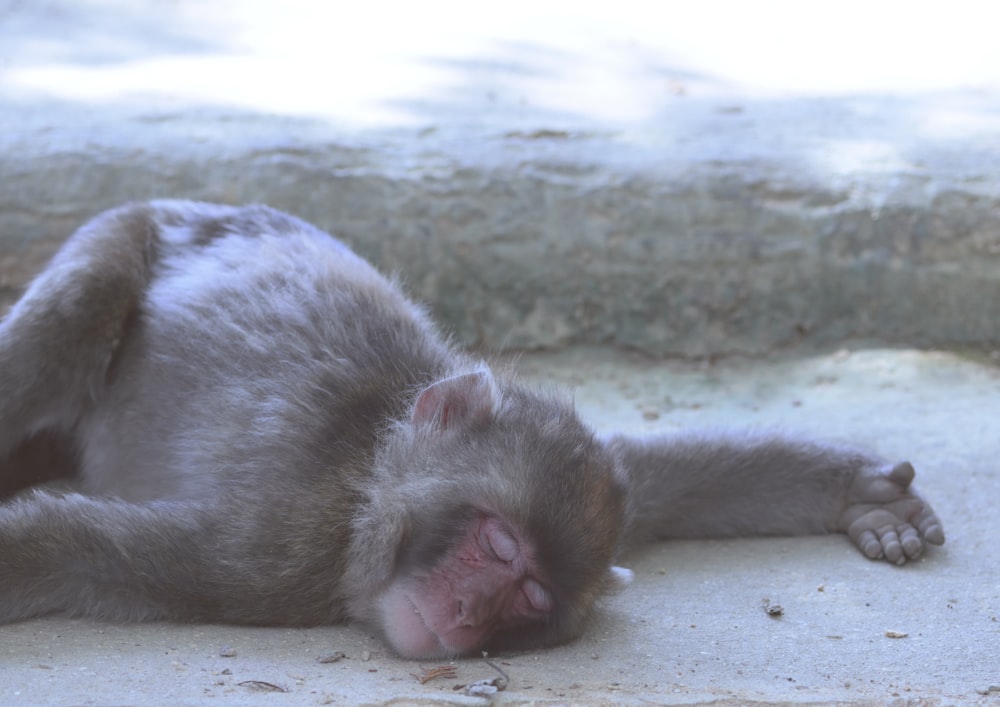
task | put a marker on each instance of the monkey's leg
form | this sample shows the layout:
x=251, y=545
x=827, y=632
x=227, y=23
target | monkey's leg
x=104, y=558
x=58, y=340
x=714, y=486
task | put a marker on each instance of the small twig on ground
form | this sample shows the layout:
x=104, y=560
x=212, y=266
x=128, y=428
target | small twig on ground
x=263, y=686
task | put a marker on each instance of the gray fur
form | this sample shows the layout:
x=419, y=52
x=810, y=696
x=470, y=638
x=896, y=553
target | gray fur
x=269, y=432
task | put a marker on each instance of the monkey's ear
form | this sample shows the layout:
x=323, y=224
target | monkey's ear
x=618, y=579
x=457, y=402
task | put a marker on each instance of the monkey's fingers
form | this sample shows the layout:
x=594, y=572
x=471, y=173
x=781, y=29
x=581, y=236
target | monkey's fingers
x=901, y=543
x=881, y=533
x=868, y=543
x=891, y=547
x=866, y=531
x=929, y=526
x=910, y=541
x=902, y=474
x=890, y=542
x=875, y=534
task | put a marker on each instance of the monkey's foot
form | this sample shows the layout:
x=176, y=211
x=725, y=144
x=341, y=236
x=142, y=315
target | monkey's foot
x=886, y=519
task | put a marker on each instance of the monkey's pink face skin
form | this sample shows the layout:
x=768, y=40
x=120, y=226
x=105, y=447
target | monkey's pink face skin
x=483, y=585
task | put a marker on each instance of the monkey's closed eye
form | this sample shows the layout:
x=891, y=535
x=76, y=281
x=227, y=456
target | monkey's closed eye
x=537, y=595
x=499, y=542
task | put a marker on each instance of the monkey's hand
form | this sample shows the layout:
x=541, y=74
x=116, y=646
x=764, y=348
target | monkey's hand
x=885, y=518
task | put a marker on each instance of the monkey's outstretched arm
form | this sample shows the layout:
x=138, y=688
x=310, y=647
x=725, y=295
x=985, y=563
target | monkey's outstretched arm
x=169, y=560
x=693, y=486
x=103, y=558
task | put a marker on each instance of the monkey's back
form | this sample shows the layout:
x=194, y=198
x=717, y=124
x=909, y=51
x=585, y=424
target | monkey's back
x=264, y=353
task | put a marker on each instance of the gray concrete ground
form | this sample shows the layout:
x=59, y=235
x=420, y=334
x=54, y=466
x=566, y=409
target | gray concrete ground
x=678, y=178
x=691, y=628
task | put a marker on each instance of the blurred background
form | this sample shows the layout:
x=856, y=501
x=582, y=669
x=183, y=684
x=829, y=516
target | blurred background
x=682, y=178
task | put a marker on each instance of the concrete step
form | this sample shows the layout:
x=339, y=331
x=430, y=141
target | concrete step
x=683, y=181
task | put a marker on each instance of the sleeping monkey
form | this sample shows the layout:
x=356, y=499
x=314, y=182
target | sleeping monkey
x=267, y=431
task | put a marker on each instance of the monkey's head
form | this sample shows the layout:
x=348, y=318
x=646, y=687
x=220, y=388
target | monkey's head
x=494, y=520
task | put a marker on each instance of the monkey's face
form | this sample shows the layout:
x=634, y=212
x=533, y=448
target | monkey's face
x=510, y=530
x=491, y=588
x=488, y=580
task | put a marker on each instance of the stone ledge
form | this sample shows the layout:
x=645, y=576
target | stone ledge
x=541, y=179
x=531, y=242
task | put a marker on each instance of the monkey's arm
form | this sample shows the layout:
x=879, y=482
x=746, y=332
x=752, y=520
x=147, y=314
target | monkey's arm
x=102, y=558
x=694, y=486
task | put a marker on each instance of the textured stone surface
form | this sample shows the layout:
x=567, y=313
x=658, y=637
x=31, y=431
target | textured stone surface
x=546, y=248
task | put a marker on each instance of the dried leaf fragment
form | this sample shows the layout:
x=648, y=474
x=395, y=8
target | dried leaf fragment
x=262, y=686
x=441, y=671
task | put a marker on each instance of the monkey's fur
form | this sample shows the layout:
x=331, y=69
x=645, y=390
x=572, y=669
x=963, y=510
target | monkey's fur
x=267, y=431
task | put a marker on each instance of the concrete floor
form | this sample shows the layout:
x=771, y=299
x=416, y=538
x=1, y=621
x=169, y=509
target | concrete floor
x=692, y=627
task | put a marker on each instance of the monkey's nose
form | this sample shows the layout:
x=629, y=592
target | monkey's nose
x=469, y=613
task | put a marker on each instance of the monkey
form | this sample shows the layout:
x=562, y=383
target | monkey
x=265, y=430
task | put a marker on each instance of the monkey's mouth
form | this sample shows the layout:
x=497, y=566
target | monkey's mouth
x=423, y=622
x=407, y=629
x=456, y=640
